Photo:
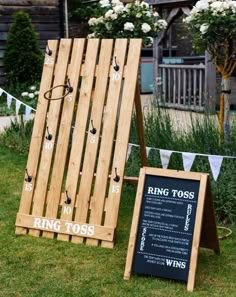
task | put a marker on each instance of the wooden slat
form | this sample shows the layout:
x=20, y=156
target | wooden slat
x=64, y=132
x=197, y=232
x=108, y=133
x=93, y=139
x=37, y=134
x=134, y=226
x=80, y=126
x=64, y=227
x=52, y=121
x=119, y=159
x=29, y=3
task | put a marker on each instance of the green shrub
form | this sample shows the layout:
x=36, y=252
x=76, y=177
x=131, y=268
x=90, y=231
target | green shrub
x=202, y=137
x=17, y=135
x=23, y=58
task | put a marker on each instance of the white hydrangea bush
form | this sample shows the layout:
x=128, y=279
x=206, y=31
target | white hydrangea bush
x=131, y=20
x=213, y=24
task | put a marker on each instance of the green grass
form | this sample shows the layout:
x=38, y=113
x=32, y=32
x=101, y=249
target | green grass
x=38, y=267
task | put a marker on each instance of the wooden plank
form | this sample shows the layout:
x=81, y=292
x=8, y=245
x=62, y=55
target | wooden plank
x=37, y=133
x=95, y=121
x=64, y=227
x=134, y=226
x=141, y=136
x=197, y=232
x=108, y=132
x=123, y=130
x=64, y=132
x=29, y=3
x=179, y=86
x=195, y=87
x=80, y=127
x=52, y=121
x=37, y=10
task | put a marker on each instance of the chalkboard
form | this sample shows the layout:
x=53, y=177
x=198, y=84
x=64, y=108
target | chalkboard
x=173, y=216
x=166, y=225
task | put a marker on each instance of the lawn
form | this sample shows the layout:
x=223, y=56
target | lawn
x=31, y=266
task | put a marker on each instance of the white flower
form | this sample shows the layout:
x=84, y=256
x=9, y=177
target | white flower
x=92, y=21
x=148, y=13
x=92, y=35
x=129, y=26
x=32, y=88
x=217, y=6
x=138, y=15
x=116, y=2
x=114, y=16
x=95, y=21
x=155, y=14
x=118, y=8
x=31, y=95
x=149, y=41
x=104, y=3
x=146, y=28
x=36, y=93
x=204, y=28
x=24, y=94
x=108, y=14
x=108, y=26
x=144, y=4
x=202, y=4
x=162, y=24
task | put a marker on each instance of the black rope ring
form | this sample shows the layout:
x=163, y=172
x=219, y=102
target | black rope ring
x=67, y=87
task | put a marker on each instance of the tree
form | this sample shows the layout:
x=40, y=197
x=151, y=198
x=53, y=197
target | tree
x=23, y=58
x=213, y=24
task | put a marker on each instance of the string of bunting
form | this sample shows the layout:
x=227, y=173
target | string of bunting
x=28, y=109
x=215, y=161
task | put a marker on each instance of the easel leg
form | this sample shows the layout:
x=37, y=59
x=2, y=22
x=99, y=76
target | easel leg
x=139, y=116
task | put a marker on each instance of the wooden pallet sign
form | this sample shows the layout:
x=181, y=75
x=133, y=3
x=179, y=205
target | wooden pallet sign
x=173, y=217
x=77, y=155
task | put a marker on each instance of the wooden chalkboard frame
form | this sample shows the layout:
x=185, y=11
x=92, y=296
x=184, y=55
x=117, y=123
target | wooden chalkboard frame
x=205, y=232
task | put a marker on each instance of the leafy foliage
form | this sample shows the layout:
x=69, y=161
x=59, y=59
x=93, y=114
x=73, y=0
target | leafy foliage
x=213, y=24
x=23, y=58
x=201, y=137
x=133, y=20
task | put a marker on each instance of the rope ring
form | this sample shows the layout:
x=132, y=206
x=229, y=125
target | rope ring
x=227, y=234
x=67, y=87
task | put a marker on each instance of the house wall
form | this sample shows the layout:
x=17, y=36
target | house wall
x=47, y=19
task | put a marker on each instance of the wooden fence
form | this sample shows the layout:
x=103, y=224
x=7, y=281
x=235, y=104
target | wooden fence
x=47, y=19
x=191, y=87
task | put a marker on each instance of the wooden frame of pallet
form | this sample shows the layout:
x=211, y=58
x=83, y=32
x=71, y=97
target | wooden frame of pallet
x=76, y=175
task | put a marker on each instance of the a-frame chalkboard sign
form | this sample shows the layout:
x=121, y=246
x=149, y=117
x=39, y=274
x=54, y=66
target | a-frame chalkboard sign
x=77, y=155
x=173, y=217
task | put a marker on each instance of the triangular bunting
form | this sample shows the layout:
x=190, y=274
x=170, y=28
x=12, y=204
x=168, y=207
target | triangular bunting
x=18, y=104
x=28, y=110
x=9, y=100
x=148, y=149
x=1, y=91
x=165, y=157
x=128, y=152
x=215, y=164
x=188, y=159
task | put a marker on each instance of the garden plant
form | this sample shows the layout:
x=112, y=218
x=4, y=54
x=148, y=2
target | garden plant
x=132, y=20
x=213, y=24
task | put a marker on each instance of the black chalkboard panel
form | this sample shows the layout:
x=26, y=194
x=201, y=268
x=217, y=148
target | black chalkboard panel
x=166, y=226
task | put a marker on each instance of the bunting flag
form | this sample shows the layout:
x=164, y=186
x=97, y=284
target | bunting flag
x=9, y=100
x=28, y=110
x=165, y=157
x=148, y=149
x=128, y=151
x=215, y=164
x=188, y=159
x=18, y=104
x=1, y=91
